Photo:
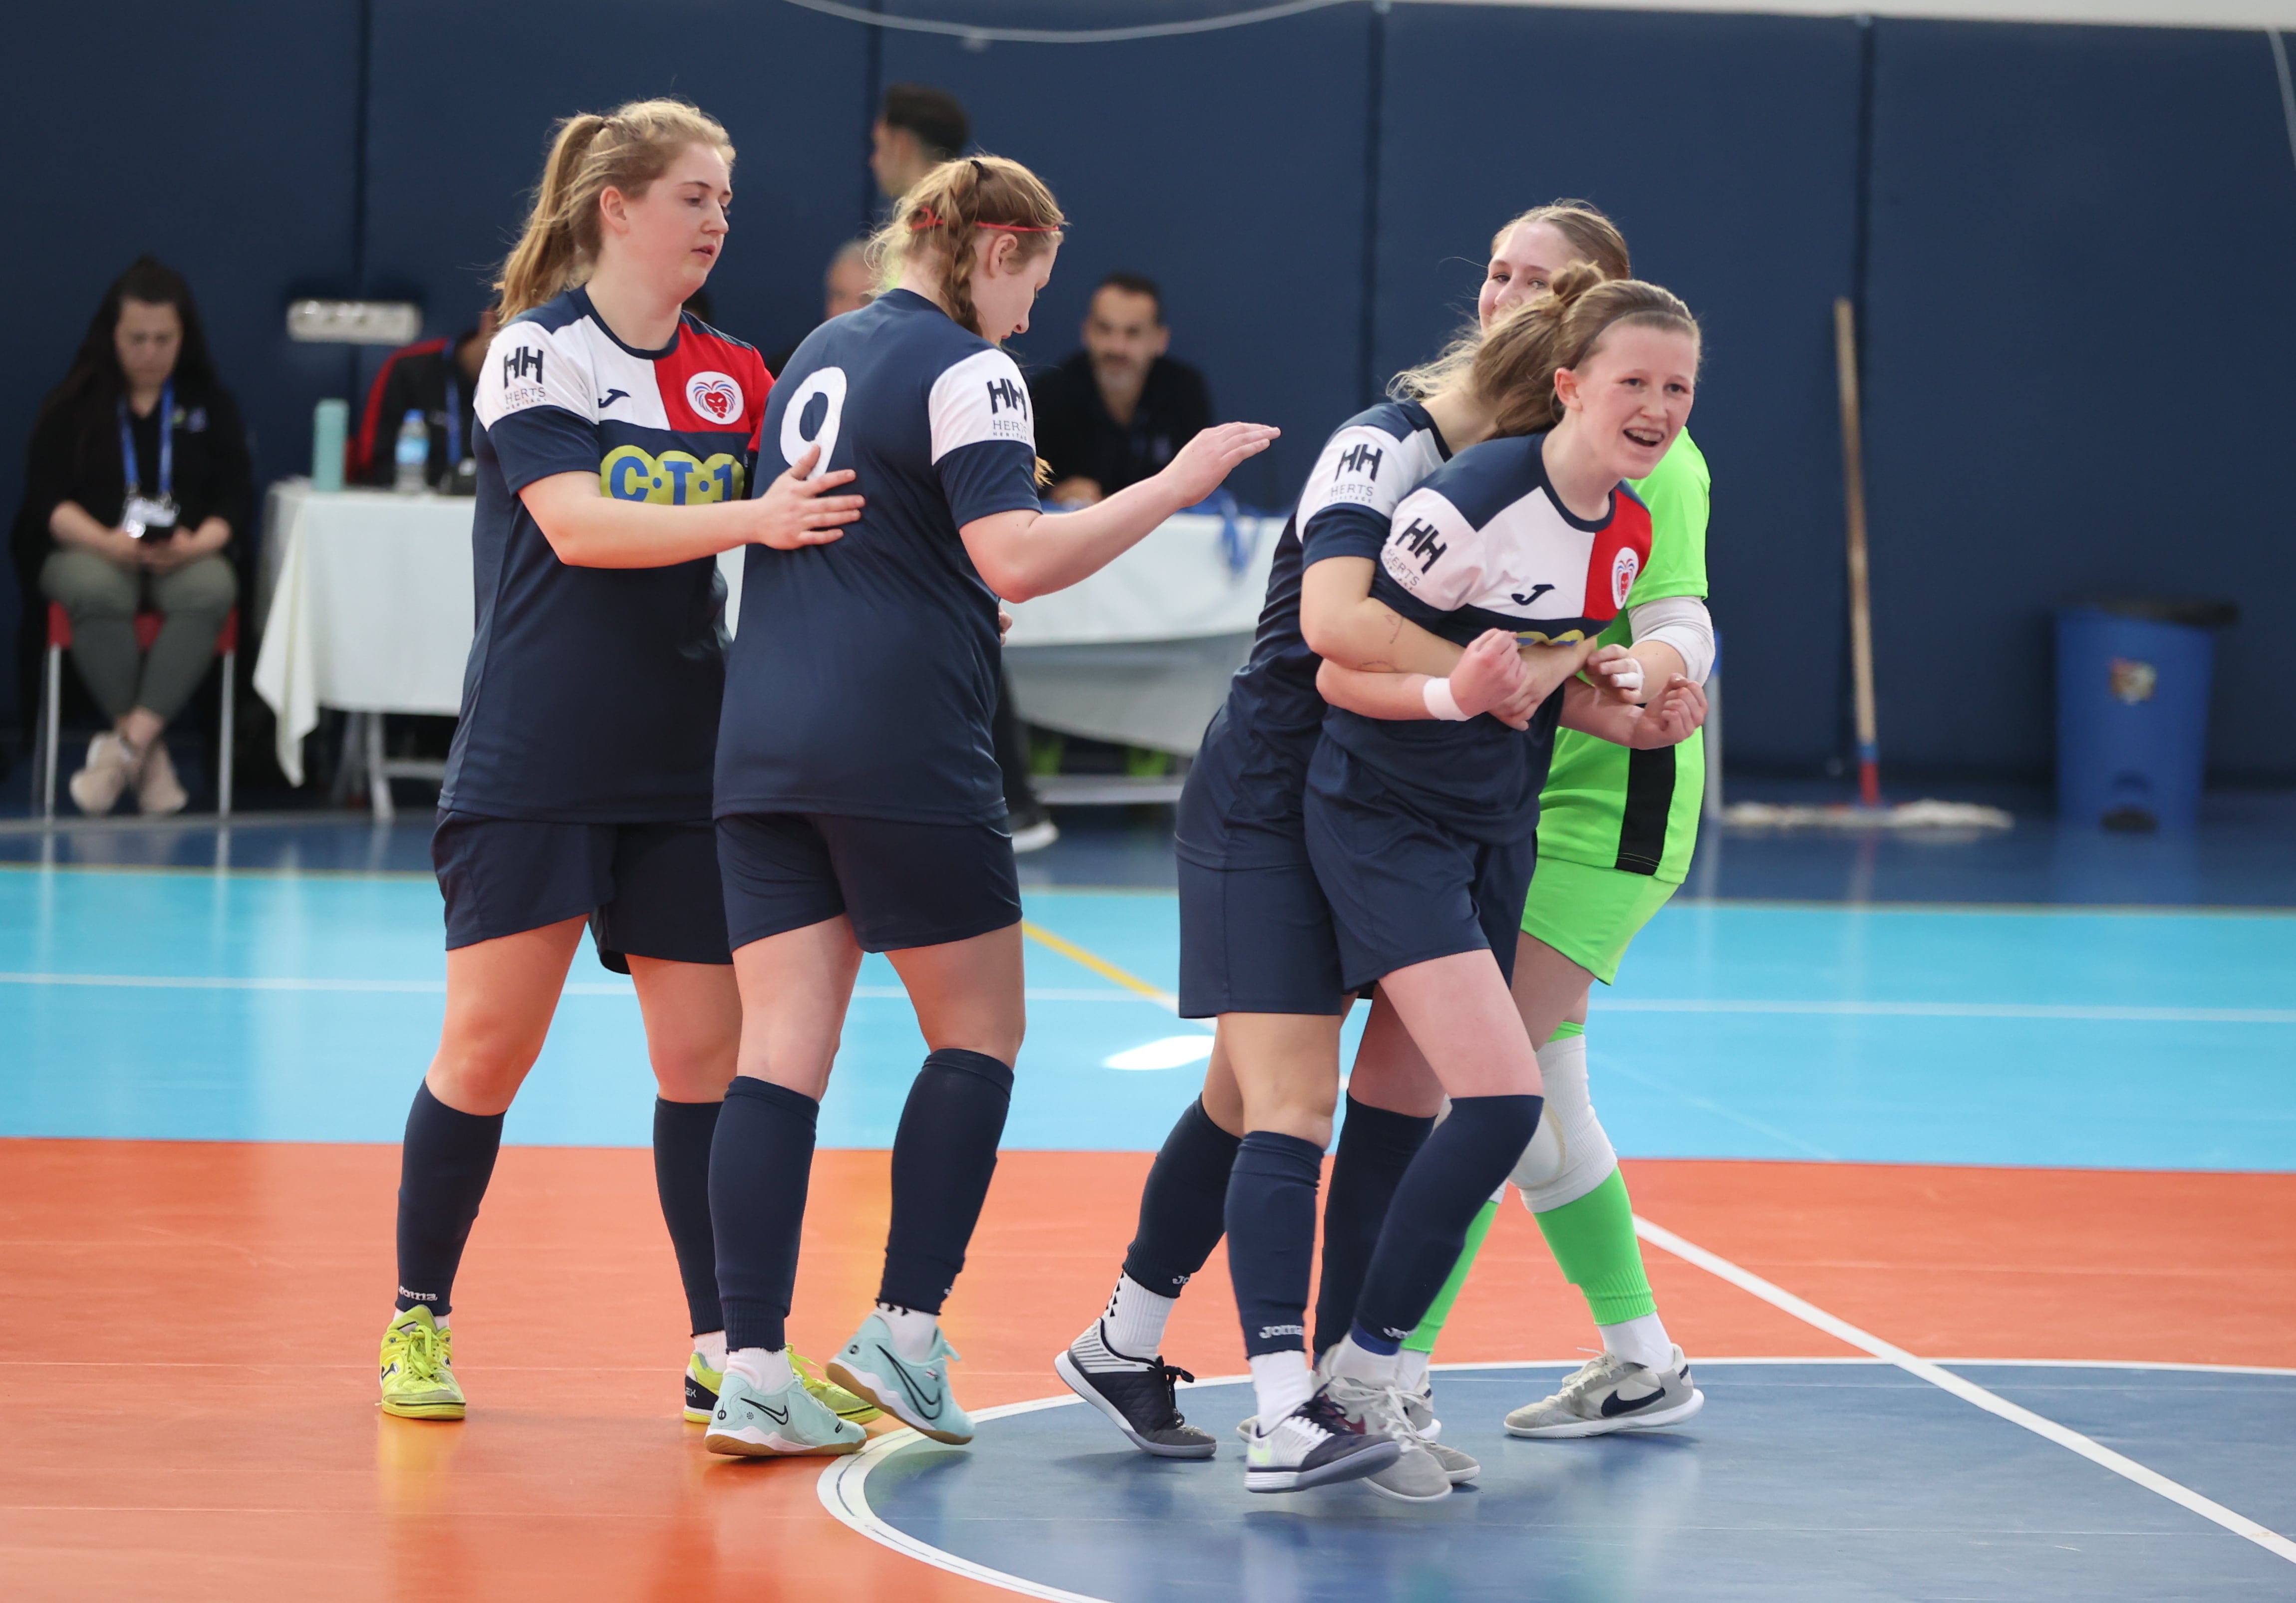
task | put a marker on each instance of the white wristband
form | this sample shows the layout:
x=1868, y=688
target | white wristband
x=1437, y=693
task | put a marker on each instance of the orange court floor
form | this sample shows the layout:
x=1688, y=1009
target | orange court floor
x=188, y=1329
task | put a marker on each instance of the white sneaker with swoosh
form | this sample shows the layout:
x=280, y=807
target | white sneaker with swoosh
x=916, y=1393
x=1612, y=1394
x=749, y=1423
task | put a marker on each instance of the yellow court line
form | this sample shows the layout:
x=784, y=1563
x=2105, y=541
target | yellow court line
x=1099, y=965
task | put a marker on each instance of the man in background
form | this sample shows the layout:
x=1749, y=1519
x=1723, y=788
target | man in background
x=919, y=128
x=846, y=287
x=1113, y=413
x=435, y=378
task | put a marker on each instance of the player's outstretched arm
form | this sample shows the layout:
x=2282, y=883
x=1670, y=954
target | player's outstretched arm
x=1024, y=554
x=587, y=529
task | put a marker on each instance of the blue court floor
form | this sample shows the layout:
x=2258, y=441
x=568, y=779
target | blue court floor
x=1803, y=1479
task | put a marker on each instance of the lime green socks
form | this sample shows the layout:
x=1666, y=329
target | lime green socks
x=1422, y=1339
x=1592, y=1240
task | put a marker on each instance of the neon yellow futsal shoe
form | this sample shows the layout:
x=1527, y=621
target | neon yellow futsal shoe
x=418, y=1369
x=703, y=1384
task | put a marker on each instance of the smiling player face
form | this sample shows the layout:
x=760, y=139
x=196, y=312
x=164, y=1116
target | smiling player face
x=1524, y=265
x=1005, y=283
x=1632, y=396
x=675, y=231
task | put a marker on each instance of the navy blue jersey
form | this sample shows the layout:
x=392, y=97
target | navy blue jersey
x=1485, y=544
x=591, y=693
x=1241, y=807
x=863, y=679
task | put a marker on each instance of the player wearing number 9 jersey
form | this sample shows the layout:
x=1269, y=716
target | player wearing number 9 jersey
x=614, y=452
x=858, y=802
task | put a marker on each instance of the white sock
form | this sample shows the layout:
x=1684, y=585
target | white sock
x=1136, y=1319
x=1360, y=1363
x=913, y=1332
x=711, y=1345
x=444, y=1322
x=765, y=1368
x=1411, y=1369
x=1280, y=1383
x=1642, y=1341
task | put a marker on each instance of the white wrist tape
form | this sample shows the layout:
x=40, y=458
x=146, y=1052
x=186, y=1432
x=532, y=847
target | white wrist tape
x=1625, y=674
x=1436, y=694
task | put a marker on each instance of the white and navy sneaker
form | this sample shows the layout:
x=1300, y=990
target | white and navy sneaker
x=1136, y=1395
x=1316, y=1444
x=749, y=1423
x=1610, y=1394
x=917, y=1395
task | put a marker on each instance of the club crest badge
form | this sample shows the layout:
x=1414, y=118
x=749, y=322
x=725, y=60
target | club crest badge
x=715, y=396
x=1624, y=568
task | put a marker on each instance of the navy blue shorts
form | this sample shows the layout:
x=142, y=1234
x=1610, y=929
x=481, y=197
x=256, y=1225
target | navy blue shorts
x=903, y=885
x=648, y=889
x=1257, y=940
x=1404, y=887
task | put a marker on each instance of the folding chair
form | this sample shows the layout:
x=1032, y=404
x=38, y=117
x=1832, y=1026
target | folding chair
x=147, y=630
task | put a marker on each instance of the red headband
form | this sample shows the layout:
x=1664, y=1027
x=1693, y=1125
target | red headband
x=929, y=219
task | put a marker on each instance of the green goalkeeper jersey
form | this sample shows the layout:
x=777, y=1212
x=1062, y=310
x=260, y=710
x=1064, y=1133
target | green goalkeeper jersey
x=1637, y=811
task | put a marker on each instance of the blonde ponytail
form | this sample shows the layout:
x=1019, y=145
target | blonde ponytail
x=949, y=208
x=626, y=149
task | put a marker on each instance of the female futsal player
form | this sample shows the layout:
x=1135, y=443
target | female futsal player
x=1423, y=835
x=858, y=795
x=613, y=463
x=1615, y=834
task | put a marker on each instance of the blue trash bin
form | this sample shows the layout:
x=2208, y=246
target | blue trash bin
x=2133, y=711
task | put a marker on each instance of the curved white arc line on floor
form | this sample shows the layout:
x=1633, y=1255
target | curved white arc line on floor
x=843, y=1486
x=1968, y=1391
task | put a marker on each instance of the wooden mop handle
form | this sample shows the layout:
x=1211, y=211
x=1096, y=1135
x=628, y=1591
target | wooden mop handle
x=1861, y=615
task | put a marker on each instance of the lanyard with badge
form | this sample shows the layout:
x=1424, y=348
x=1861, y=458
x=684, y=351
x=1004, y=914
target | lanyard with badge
x=143, y=515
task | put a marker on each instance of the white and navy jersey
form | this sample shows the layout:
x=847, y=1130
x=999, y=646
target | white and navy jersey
x=863, y=680
x=1240, y=806
x=1485, y=544
x=591, y=694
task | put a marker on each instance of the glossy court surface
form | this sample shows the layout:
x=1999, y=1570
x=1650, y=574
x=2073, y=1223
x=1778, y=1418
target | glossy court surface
x=1994, y=1135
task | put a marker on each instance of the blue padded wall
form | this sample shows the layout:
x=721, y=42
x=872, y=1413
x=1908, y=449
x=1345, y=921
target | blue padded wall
x=1726, y=149
x=2078, y=318
x=1228, y=166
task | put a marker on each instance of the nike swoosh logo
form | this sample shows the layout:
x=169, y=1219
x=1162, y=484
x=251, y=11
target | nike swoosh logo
x=1614, y=1405
x=778, y=1416
x=925, y=1405
x=610, y=396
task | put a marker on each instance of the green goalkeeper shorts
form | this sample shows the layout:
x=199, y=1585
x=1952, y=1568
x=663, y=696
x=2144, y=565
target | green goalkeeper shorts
x=1590, y=915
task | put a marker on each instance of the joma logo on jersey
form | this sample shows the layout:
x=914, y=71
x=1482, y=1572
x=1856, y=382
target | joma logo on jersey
x=1006, y=393
x=673, y=478
x=1362, y=458
x=1419, y=538
x=519, y=363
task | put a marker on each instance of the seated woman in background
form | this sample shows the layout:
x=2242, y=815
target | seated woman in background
x=138, y=481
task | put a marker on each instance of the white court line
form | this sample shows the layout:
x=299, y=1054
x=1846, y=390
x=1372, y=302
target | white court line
x=1968, y=1391
x=1874, y=1009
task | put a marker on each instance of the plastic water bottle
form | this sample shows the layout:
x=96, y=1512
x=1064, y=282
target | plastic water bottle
x=414, y=453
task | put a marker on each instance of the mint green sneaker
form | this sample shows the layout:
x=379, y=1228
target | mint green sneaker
x=917, y=1395
x=789, y=1423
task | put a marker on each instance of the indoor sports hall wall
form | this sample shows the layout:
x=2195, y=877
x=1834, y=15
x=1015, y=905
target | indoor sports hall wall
x=2071, y=244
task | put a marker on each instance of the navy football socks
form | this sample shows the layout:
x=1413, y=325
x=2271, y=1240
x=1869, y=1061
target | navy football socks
x=443, y=1169
x=1458, y=1167
x=682, y=1134
x=1271, y=1238
x=1376, y=1146
x=1183, y=1205
x=760, y=1163
x=944, y=1156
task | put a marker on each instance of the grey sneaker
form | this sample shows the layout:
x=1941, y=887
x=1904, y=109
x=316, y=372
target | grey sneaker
x=1419, y=1413
x=1609, y=1395
x=1315, y=1445
x=917, y=1395
x=789, y=1423
x=1379, y=1411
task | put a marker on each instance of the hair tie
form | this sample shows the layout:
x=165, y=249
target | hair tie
x=926, y=218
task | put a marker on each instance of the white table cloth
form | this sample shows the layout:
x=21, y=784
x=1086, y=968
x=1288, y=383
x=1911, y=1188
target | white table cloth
x=366, y=597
